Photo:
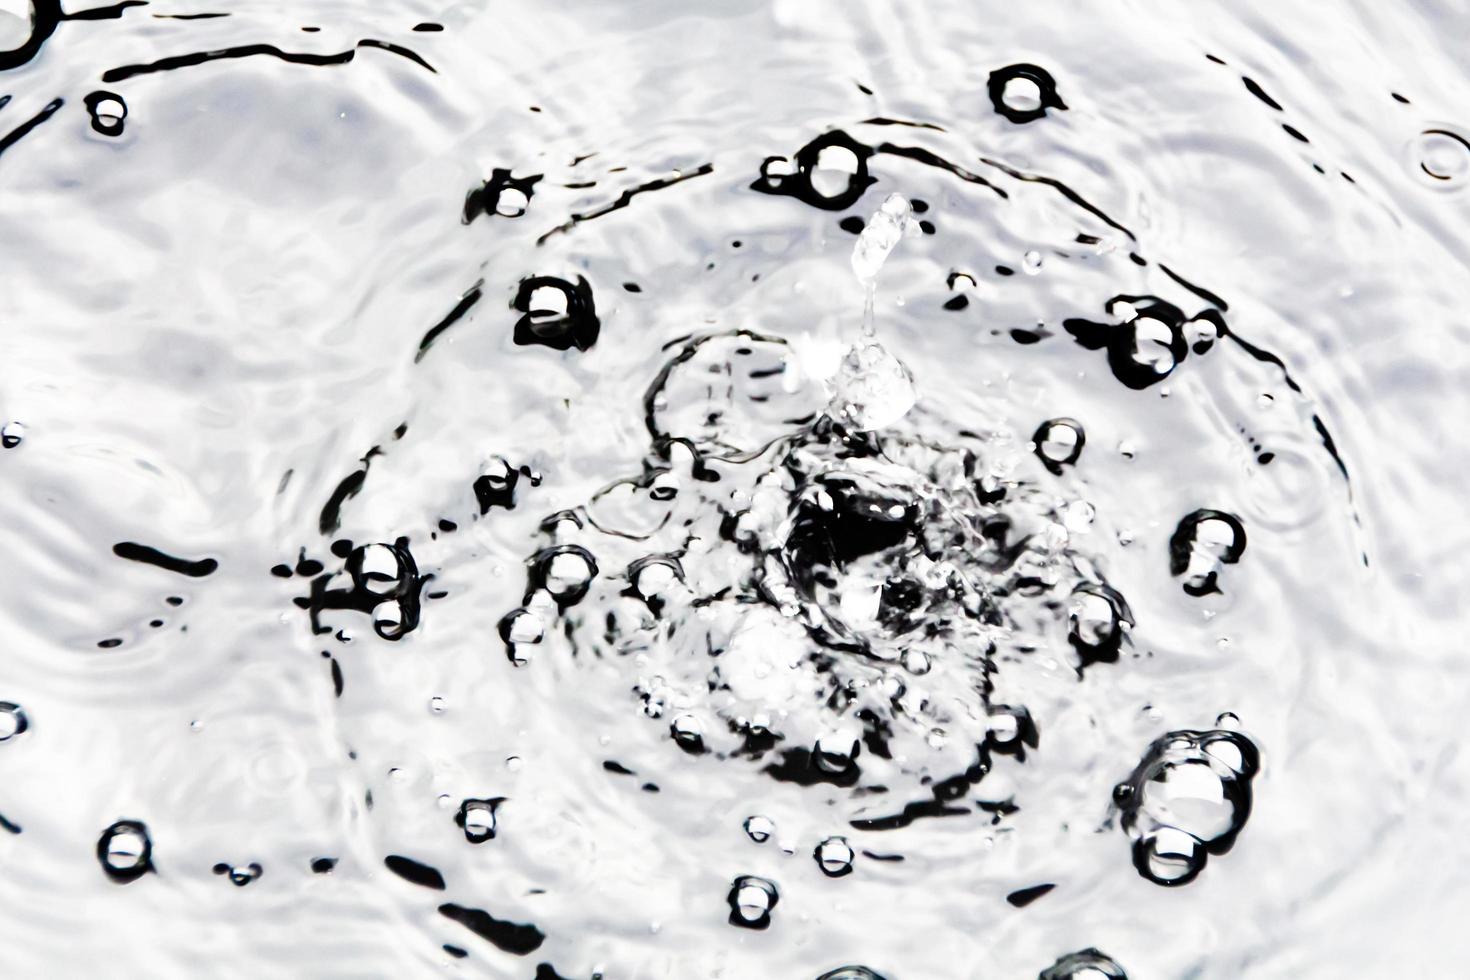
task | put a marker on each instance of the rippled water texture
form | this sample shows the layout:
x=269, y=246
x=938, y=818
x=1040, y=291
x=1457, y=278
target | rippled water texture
x=455, y=522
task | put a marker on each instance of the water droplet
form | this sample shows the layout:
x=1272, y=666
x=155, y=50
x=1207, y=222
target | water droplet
x=759, y=829
x=883, y=233
x=1031, y=263
x=125, y=851
x=834, y=856
x=477, y=819
x=1097, y=619
x=12, y=434
x=13, y=720
x=1188, y=798
x=752, y=901
x=1087, y=964
x=566, y=571
x=108, y=110
x=503, y=194
x=872, y=389
x=519, y=629
x=437, y=705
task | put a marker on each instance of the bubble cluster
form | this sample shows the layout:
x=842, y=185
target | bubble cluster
x=1149, y=339
x=239, y=877
x=1188, y=798
x=830, y=172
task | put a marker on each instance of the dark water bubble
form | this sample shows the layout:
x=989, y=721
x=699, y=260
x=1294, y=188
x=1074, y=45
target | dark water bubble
x=1023, y=93
x=1203, y=542
x=20, y=42
x=1188, y=798
x=1058, y=443
x=751, y=901
x=830, y=172
x=759, y=828
x=108, y=110
x=1098, y=619
x=556, y=313
x=125, y=851
x=564, y=571
x=1086, y=964
x=1144, y=346
x=850, y=973
x=239, y=877
x=13, y=720
x=12, y=434
x=834, y=856
x=496, y=486
x=503, y=194
x=477, y=819
x=520, y=629
x=687, y=733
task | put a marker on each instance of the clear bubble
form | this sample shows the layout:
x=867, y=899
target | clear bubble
x=13, y=720
x=834, y=856
x=759, y=829
x=1188, y=798
x=1087, y=964
x=477, y=819
x=1031, y=262
x=751, y=901
x=1058, y=443
x=125, y=851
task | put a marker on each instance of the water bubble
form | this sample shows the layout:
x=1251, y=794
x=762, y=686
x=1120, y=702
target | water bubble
x=377, y=569
x=477, y=818
x=556, y=313
x=13, y=720
x=688, y=733
x=1058, y=443
x=1023, y=93
x=519, y=629
x=566, y=571
x=836, y=752
x=11, y=434
x=108, y=110
x=1203, y=542
x=1087, y=964
x=503, y=194
x=437, y=705
x=1443, y=156
x=834, y=856
x=1145, y=347
x=850, y=973
x=1097, y=619
x=759, y=829
x=831, y=173
x=1031, y=263
x=751, y=902
x=1188, y=798
x=125, y=851
x=239, y=877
